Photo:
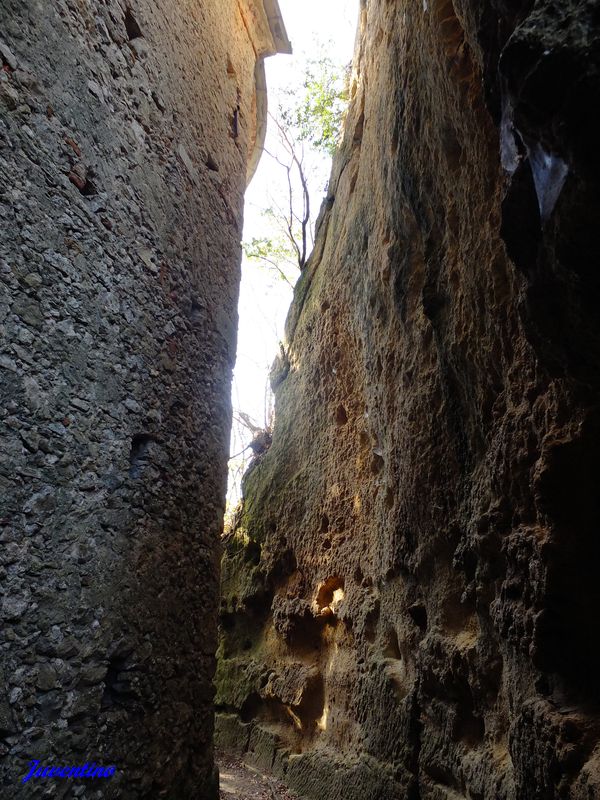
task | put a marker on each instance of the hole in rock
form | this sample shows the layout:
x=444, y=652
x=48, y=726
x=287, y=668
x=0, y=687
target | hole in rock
x=433, y=302
x=330, y=593
x=418, y=614
x=81, y=177
x=391, y=647
x=371, y=621
x=139, y=454
x=470, y=728
x=377, y=463
x=389, y=498
x=341, y=417
x=131, y=26
x=250, y=707
x=311, y=709
x=117, y=685
x=252, y=553
x=196, y=313
x=89, y=188
x=227, y=621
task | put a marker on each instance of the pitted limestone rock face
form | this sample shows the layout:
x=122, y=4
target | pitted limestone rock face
x=410, y=596
x=125, y=131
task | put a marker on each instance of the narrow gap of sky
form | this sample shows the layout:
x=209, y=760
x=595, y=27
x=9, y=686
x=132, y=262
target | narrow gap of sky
x=265, y=299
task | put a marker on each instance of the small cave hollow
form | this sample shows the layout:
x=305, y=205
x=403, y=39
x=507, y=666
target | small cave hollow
x=418, y=614
x=377, y=462
x=139, y=453
x=131, y=26
x=117, y=684
x=391, y=645
x=252, y=553
x=331, y=593
x=341, y=416
x=89, y=188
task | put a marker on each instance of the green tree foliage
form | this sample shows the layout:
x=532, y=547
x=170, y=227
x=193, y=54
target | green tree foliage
x=274, y=252
x=316, y=114
x=304, y=133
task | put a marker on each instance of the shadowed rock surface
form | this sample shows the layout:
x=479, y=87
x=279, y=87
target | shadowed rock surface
x=126, y=129
x=411, y=593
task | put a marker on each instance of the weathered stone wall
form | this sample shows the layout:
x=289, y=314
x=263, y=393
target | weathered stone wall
x=411, y=597
x=125, y=131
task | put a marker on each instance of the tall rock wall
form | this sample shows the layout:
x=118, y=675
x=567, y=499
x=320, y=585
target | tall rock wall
x=411, y=595
x=125, y=134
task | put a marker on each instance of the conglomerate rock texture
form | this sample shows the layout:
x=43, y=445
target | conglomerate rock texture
x=411, y=593
x=125, y=133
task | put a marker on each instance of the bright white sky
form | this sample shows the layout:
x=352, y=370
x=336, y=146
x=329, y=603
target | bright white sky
x=264, y=299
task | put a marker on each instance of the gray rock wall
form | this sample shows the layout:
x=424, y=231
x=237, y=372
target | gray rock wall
x=122, y=169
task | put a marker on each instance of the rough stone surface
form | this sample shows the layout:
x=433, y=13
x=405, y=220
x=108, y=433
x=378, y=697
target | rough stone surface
x=411, y=594
x=239, y=782
x=125, y=131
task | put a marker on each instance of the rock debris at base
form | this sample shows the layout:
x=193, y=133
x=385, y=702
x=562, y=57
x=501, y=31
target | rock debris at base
x=244, y=783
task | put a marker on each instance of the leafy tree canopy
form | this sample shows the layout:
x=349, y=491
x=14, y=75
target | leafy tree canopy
x=316, y=113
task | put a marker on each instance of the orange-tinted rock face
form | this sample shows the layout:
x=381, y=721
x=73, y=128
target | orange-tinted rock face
x=411, y=596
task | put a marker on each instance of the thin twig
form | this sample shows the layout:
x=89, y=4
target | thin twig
x=241, y=453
